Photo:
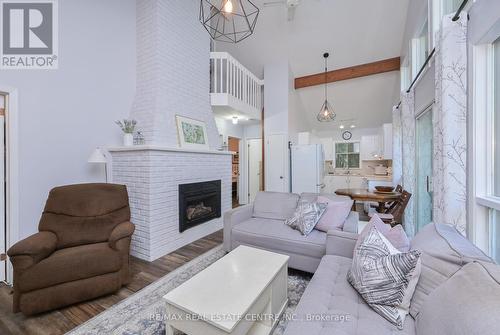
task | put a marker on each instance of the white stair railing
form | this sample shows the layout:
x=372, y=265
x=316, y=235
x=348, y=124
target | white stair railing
x=230, y=77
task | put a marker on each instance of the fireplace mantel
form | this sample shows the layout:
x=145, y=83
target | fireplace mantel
x=164, y=148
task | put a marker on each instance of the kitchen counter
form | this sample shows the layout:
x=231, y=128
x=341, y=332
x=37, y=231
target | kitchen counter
x=367, y=176
x=337, y=181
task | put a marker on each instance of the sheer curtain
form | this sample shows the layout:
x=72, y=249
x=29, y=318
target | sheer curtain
x=450, y=124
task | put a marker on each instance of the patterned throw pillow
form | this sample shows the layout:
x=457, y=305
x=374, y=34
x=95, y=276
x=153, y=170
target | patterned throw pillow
x=306, y=216
x=385, y=277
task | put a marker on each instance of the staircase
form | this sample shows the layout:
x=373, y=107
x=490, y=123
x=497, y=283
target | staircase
x=234, y=90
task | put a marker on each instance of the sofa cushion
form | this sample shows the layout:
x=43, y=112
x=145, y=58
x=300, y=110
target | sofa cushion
x=275, y=205
x=396, y=235
x=444, y=252
x=339, y=309
x=71, y=264
x=335, y=215
x=275, y=235
x=468, y=303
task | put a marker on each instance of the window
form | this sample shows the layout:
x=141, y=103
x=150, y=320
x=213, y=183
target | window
x=494, y=227
x=439, y=9
x=450, y=6
x=486, y=209
x=420, y=48
x=347, y=155
x=405, y=74
x=495, y=234
x=496, y=119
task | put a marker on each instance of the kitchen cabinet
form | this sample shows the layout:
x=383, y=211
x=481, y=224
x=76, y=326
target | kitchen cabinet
x=327, y=148
x=370, y=146
x=374, y=146
x=385, y=140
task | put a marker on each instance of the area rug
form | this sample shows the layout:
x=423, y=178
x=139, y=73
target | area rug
x=142, y=313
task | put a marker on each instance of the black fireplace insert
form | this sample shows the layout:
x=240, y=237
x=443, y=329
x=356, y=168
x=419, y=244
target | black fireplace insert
x=199, y=203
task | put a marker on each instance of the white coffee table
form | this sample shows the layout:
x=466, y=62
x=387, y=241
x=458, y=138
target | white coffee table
x=244, y=292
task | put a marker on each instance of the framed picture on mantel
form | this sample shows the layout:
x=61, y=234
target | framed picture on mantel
x=192, y=133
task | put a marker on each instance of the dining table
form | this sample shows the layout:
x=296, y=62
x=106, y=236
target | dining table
x=362, y=194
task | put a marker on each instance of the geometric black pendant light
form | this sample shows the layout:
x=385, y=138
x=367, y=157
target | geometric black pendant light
x=228, y=20
x=326, y=113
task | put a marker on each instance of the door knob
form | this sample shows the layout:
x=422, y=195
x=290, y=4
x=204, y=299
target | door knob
x=281, y=177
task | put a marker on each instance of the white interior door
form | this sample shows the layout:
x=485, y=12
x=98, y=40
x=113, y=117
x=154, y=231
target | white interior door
x=254, y=168
x=276, y=158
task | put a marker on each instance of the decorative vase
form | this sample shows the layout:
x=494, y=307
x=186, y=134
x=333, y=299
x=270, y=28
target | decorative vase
x=128, y=140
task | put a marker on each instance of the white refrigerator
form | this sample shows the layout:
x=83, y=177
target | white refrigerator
x=308, y=166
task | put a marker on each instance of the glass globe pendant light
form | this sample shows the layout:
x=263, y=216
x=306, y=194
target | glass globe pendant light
x=326, y=113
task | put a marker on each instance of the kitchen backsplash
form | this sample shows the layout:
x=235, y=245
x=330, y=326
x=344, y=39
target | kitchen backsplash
x=367, y=167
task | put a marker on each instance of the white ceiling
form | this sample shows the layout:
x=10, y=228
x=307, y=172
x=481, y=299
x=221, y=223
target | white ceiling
x=353, y=31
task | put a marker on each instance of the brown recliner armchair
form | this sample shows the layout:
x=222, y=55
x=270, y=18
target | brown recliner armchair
x=81, y=251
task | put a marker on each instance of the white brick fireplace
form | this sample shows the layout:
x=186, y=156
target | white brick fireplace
x=172, y=79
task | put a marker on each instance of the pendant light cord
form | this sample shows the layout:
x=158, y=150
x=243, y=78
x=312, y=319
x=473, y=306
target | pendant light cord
x=326, y=76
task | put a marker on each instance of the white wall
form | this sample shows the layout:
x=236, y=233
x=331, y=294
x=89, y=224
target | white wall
x=64, y=114
x=336, y=134
x=227, y=129
x=276, y=77
x=297, y=117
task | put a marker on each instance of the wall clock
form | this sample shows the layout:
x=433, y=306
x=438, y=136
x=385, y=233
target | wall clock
x=347, y=135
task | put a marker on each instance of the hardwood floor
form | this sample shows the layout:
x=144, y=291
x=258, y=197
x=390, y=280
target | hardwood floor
x=63, y=320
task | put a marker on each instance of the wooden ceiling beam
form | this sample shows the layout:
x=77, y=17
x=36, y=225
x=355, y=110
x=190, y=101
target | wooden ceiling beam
x=386, y=65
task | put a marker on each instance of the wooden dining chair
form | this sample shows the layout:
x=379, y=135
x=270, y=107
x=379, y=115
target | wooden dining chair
x=390, y=206
x=395, y=214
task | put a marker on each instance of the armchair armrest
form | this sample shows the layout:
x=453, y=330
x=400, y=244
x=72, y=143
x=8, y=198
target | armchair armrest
x=121, y=231
x=232, y=218
x=32, y=250
x=340, y=243
x=351, y=223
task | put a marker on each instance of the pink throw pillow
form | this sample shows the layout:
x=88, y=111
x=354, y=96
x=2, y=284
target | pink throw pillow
x=335, y=214
x=396, y=235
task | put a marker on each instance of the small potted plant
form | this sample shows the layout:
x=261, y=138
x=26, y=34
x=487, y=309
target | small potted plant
x=128, y=127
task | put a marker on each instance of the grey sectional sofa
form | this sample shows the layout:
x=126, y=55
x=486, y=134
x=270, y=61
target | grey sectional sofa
x=261, y=225
x=468, y=303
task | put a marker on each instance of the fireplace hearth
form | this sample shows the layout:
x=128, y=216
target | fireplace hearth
x=199, y=203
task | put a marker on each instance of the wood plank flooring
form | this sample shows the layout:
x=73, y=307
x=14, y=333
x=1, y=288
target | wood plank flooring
x=63, y=320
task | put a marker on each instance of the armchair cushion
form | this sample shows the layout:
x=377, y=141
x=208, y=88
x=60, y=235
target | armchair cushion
x=123, y=230
x=37, y=246
x=70, y=264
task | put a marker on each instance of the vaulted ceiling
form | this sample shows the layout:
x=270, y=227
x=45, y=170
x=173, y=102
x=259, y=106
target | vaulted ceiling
x=353, y=31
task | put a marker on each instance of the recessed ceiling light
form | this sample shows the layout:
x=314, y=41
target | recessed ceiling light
x=342, y=126
x=353, y=126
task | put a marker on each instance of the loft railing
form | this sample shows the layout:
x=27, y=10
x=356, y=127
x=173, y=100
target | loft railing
x=228, y=76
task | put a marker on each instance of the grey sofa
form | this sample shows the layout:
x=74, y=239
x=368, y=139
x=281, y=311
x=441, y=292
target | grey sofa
x=261, y=225
x=458, y=292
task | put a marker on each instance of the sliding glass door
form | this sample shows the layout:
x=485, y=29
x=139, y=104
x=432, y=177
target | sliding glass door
x=423, y=163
